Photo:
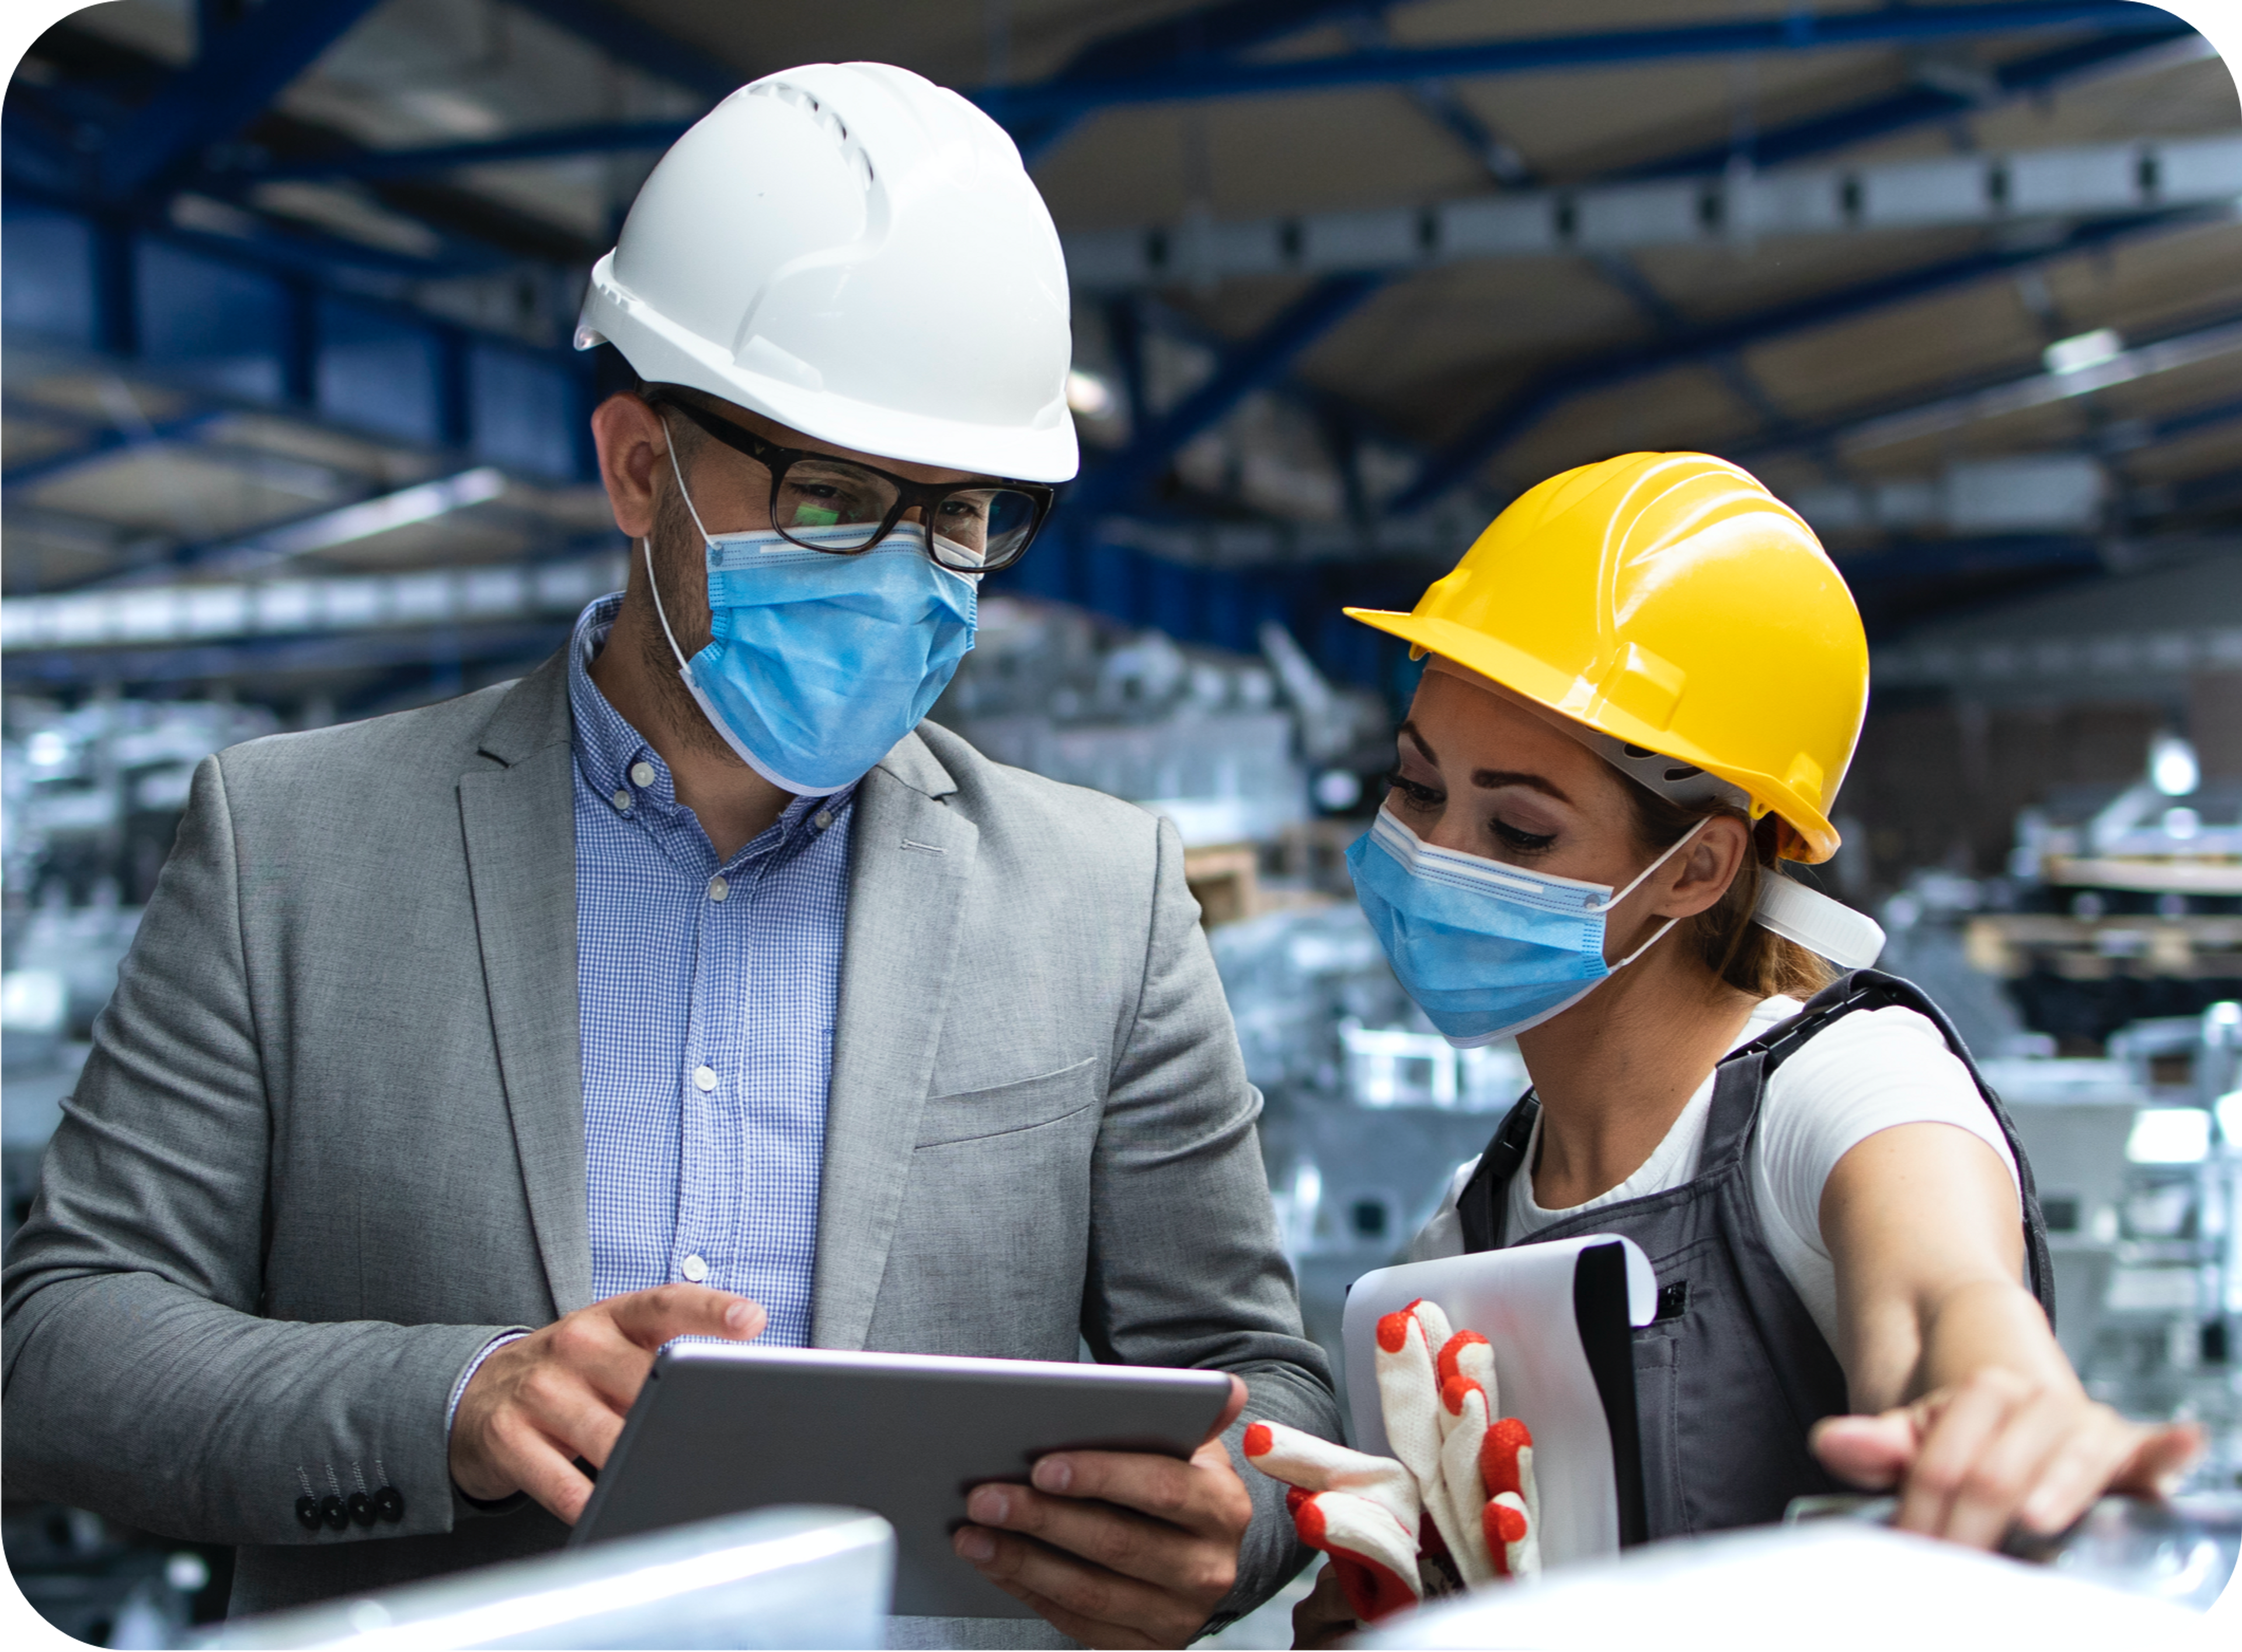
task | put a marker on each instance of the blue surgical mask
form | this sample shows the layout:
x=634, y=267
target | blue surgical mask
x=1484, y=949
x=818, y=663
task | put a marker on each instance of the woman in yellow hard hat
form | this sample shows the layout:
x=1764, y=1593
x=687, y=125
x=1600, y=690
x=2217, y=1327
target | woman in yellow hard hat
x=1645, y=683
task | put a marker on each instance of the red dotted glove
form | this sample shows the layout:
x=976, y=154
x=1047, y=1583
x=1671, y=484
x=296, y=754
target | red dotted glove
x=1458, y=1509
x=1359, y=1510
x=1474, y=1468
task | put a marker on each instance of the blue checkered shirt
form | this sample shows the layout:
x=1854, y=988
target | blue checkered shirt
x=706, y=994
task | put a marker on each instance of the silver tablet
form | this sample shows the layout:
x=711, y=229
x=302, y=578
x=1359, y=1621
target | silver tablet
x=720, y=1429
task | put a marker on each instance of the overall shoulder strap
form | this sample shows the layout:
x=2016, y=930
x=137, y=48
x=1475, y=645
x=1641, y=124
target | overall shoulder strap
x=1740, y=1080
x=1485, y=1201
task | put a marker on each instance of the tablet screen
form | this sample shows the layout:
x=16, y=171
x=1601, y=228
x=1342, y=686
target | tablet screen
x=720, y=1429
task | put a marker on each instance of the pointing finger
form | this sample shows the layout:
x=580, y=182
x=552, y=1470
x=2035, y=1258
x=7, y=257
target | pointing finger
x=652, y=1318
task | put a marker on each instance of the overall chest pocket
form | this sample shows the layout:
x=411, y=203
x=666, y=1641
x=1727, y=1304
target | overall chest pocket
x=1004, y=1109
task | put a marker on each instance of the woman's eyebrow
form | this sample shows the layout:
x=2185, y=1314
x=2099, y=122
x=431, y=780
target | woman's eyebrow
x=1417, y=735
x=1489, y=779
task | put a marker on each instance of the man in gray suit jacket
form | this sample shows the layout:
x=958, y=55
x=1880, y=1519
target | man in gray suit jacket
x=467, y=1056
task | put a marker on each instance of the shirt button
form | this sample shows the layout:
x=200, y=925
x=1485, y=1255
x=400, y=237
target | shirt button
x=622, y=800
x=718, y=889
x=695, y=1269
x=704, y=1078
x=822, y=819
x=642, y=773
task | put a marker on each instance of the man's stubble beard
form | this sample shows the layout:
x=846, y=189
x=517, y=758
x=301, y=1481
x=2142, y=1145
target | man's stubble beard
x=680, y=580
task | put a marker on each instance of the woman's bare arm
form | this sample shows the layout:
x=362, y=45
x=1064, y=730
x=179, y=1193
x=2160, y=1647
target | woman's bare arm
x=1972, y=1410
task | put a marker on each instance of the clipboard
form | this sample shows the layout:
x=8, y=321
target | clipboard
x=1560, y=1317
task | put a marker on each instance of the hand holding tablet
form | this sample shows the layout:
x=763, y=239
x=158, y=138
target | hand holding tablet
x=1110, y=1543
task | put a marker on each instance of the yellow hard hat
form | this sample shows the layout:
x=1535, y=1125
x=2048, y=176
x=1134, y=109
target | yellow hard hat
x=1670, y=601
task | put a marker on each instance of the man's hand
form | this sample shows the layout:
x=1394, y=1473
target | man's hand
x=1998, y=1450
x=538, y=1404
x=1118, y=1548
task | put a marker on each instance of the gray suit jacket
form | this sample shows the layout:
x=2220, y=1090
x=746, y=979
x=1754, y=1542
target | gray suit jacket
x=330, y=1141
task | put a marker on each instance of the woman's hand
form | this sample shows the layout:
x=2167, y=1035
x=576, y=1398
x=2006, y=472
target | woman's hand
x=1996, y=1450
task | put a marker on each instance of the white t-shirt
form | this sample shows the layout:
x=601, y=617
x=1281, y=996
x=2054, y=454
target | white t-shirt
x=1864, y=1072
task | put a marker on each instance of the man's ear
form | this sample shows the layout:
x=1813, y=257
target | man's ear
x=631, y=439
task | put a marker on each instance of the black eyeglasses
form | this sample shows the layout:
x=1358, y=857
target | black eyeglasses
x=816, y=499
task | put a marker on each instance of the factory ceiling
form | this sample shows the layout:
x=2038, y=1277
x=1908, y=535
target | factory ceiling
x=288, y=291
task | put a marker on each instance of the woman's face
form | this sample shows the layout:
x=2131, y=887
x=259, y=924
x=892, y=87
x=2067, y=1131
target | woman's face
x=1478, y=774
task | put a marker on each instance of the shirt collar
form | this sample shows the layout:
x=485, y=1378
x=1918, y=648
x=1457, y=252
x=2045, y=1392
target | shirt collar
x=608, y=749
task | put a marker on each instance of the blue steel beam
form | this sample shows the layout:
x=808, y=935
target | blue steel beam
x=105, y=442
x=1189, y=82
x=1254, y=365
x=238, y=74
x=1919, y=105
x=60, y=668
x=2130, y=433
x=557, y=143
x=631, y=39
x=1038, y=115
x=1488, y=433
x=1205, y=32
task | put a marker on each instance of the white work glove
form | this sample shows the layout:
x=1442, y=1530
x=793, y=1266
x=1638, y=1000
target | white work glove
x=1471, y=1472
x=1473, y=1468
x=1359, y=1510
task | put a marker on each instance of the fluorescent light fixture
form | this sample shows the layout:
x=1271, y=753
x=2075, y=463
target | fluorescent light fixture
x=2083, y=350
x=1088, y=394
x=2170, y=1136
x=420, y=503
x=2181, y=824
x=2172, y=767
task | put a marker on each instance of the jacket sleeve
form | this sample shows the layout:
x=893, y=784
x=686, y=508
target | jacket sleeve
x=1186, y=1268
x=140, y=1379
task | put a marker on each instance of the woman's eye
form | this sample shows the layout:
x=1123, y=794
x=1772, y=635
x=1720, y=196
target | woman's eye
x=1416, y=794
x=1518, y=839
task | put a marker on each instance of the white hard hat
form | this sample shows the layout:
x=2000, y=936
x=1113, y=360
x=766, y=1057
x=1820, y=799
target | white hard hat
x=858, y=253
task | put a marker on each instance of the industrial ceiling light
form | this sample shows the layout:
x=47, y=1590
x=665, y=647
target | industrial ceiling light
x=2083, y=350
x=2172, y=767
x=1088, y=394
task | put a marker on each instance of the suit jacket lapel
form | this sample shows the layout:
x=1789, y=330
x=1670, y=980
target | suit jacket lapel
x=518, y=815
x=910, y=859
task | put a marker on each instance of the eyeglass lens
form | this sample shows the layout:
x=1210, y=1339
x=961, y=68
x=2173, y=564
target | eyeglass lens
x=971, y=527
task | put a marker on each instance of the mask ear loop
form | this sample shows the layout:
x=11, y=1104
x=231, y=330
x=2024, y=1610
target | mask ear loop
x=1671, y=849
x=645, y=547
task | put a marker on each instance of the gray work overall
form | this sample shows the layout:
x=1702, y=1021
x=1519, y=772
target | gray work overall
x=1732, y=1372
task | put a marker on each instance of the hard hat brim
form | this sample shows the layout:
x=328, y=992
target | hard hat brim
x=1520, y=672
